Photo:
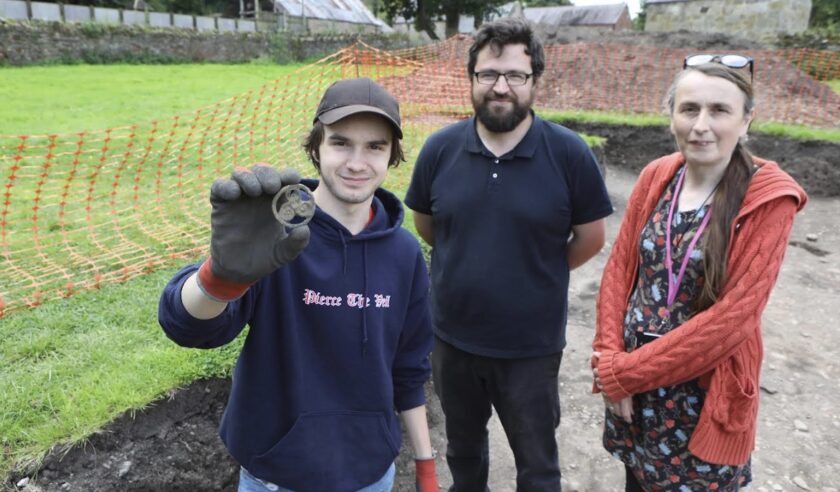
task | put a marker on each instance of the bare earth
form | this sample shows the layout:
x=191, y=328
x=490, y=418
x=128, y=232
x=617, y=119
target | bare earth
x=173, y=445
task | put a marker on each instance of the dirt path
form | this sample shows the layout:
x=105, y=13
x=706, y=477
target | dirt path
x=173, y=445
x=799, y=420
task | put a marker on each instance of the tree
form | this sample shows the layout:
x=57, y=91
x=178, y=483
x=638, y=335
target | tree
x=547, y=3
x=641, y=17
x=424, y=12
x=481, y=10
x=424, y=16
x=825, y=13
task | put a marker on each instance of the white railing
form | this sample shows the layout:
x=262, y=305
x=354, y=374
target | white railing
x=25, y=10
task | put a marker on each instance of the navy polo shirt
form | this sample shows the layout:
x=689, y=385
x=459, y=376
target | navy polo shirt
x=500, y=275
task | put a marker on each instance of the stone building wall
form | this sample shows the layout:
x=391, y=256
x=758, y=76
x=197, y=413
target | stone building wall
x=28, y=43
x=762, y=19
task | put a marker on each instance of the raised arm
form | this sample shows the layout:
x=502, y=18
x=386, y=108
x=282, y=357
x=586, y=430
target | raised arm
x=246, y=243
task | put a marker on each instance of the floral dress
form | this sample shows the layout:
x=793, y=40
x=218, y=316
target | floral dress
x=655, y=445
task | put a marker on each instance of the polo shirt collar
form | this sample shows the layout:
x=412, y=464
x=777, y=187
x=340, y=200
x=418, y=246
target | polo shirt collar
x=525, y=148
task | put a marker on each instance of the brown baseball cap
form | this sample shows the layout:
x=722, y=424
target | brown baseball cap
x=347, y=97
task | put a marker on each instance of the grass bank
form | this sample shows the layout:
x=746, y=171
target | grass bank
x=771, y=128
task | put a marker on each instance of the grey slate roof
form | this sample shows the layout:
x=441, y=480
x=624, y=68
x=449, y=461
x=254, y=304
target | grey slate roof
x=575, y=15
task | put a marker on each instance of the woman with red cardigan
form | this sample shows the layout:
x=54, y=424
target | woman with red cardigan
x=678, y=347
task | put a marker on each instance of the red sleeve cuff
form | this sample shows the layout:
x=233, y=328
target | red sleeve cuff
x=216, y=288
x=612, y=388
x=426, y=475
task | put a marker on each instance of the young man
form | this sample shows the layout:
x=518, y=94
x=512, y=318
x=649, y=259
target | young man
x=510, y=203
x=339, y=323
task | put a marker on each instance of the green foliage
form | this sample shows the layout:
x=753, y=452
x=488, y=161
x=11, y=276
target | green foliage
x=547, y=3
x=114, y=4
x=825, y=13
x=820, y=38
x=781, y=129
x=143, y=57
x=798, y=132
x=69, y=367
x=94, y=30
x=609, y=118
x=641, y=17
x=424, y=12
x=281, y=50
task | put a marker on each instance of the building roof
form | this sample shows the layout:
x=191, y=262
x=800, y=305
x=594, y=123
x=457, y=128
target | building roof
x=576, y=15
x=590, y=15
x=339, y=10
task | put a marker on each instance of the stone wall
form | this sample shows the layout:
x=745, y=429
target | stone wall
x=762, y=19
x=28, y=43
x=33, y=43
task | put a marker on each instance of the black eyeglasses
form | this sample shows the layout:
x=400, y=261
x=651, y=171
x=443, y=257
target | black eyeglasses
x=731, y=61
x=513, y=79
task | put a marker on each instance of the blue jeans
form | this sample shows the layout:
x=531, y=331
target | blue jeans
x=250, y=483
x=524, y=393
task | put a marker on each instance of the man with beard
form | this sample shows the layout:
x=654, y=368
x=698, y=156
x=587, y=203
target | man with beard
x=340, y=331
x=510, y=203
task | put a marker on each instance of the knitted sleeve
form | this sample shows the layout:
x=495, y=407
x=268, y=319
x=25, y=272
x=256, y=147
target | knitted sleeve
x=710, y=337
x=617, y=279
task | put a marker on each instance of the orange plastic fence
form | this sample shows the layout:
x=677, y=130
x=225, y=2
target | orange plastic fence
x=80, y=210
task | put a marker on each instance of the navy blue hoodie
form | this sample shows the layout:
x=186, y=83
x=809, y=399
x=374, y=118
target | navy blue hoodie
x=338, y=342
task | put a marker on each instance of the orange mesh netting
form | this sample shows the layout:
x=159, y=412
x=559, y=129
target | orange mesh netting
x=79, y=210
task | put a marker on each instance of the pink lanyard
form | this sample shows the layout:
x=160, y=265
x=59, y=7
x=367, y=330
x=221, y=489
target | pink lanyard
x=675, y=281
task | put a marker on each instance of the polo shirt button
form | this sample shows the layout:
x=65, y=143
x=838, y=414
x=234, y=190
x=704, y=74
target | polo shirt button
x=495, y=175
x=496, y=161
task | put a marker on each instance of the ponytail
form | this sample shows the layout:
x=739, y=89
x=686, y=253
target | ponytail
x=725, y=205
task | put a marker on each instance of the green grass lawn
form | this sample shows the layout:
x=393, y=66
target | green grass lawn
x=834, y=84
x=781, y=129
x=70, y=366
x=71, y=98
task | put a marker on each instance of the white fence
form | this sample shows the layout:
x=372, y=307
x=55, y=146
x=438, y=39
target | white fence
x=55, y=12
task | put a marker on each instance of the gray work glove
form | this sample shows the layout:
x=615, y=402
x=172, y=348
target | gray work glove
x=246, y=240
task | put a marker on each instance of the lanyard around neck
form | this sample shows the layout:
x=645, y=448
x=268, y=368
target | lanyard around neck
x=674, y=281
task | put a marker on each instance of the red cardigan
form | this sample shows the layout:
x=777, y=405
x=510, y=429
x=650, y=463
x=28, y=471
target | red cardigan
x=721, y=345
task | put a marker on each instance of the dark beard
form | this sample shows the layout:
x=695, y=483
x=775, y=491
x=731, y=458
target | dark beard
x=500, y=123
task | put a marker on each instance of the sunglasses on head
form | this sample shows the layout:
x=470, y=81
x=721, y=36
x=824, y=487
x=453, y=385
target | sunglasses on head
x=731, y=61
